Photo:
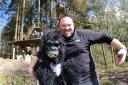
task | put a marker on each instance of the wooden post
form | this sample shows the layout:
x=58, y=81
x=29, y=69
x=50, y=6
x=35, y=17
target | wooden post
x=22, y=25
x=14, y=53
x=38, y=14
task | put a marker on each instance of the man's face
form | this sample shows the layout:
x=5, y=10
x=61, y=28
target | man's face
x=66, y=26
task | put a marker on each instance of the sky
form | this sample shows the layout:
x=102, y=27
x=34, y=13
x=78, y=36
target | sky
x=3, y=20
x=3, y=17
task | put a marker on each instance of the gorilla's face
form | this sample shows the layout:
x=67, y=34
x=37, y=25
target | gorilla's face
x=53, y=44
x=52, y=48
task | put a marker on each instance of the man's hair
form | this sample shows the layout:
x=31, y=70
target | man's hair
x=63, y=16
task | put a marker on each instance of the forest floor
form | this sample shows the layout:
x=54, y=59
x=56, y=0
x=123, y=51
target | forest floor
x=118, y=76
x=10, y=66
x=114, y=77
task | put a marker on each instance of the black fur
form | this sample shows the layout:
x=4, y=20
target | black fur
x=53, y=41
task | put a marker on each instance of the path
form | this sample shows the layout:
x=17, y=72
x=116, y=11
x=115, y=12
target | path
x=9, y=66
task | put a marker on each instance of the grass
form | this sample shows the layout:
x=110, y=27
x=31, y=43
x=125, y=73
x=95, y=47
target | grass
x=15, y=80
x=107, y=82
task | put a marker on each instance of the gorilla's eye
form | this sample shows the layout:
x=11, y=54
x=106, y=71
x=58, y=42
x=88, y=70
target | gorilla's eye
x=53, y=43
x=56, y=44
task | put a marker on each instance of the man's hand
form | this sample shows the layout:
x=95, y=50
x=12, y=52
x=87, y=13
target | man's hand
x=31, y=65
x=121, y=56
x=32, y=73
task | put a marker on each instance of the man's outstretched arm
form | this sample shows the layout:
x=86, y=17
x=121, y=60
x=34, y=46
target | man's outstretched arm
x=121, y=55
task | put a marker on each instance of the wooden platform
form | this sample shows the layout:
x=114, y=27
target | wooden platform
x=28, y=42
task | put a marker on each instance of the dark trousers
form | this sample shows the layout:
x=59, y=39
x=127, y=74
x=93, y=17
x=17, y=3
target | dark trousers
x=64, y=80
x=94, y=81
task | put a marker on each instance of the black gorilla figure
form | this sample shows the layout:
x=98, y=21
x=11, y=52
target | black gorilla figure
x=51, y=67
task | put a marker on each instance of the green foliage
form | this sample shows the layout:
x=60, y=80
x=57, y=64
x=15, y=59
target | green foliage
x=2, y=80
x=15, y=80
x=4, y=1
x=107, y=82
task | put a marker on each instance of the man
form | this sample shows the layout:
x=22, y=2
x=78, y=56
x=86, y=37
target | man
x=78, y=44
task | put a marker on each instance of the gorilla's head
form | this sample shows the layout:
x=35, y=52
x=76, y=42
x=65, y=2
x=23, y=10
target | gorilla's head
x=54, y=44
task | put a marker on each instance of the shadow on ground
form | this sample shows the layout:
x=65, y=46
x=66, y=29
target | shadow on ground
x=115, y=78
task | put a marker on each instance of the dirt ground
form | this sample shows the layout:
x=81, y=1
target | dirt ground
x=118, y=77
x=19, y=67
x=10, y=66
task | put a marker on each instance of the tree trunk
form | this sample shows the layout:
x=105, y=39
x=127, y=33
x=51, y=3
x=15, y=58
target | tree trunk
x=38, y=14
x=19, y=21
x=17, y=15
x=22, y=24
